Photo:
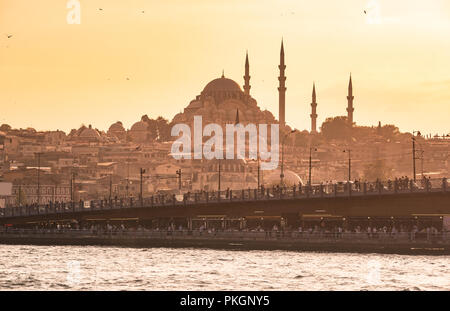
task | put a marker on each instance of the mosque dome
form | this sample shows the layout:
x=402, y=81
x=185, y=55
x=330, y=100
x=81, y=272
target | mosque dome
x=222, y=85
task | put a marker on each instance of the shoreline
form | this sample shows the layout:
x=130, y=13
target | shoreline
x=294, y=245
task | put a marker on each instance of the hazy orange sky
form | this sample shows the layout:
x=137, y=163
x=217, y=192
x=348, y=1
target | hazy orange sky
x=56, y=76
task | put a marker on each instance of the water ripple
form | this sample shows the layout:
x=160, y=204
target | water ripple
x=115, y=268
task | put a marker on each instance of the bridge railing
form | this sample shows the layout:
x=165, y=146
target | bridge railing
x=299, y=191
x=384, y=237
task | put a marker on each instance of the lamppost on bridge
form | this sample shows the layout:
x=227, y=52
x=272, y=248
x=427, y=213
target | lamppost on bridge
x=414, y=152
x=110, y=187
x=310, y=164
x=178, y=172
x=349, y=163
x=72, y=186
x=141, y=173
x=220, y=168
x=128, y=176
x=38, y=178
x=282, y=156
x=259, y=173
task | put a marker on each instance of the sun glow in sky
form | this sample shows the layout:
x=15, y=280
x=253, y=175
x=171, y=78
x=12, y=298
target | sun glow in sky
x=152, y=57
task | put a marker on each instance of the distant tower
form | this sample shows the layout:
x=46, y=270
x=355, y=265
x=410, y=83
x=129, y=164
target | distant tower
x=313, y=111
x=247, y=86
x=282, y=90
x=350, y=98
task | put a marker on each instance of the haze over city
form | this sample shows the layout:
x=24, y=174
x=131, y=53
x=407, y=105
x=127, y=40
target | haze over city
x=151, y=57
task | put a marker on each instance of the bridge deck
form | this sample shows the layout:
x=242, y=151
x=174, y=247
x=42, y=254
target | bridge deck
x=291, y=203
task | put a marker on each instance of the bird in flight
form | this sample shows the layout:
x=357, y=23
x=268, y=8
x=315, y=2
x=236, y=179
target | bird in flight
x=100, y=9
x=10, y=36
x=365, y=12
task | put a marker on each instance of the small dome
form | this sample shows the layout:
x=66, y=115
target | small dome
x=273, y=178
x=222, y=85
x=116, y=127
x=89, y=133
x=140, y=126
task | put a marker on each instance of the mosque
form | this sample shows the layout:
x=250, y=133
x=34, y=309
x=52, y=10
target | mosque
x=222, y=101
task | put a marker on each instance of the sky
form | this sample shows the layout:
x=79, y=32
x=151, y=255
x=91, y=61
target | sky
x=139, y=57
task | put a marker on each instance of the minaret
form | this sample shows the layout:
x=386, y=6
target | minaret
x=247, y=76
x=313, y=111
x=282, y=90
x=350, y=98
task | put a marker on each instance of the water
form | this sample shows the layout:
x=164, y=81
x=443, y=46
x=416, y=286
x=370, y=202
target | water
x=113, y=268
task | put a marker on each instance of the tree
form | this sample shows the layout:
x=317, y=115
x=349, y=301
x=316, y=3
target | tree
x=336, y=128
x=164, y=129
x=388, y=131
x=159, y=129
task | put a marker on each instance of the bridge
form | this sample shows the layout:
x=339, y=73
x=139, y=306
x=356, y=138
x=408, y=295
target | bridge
x=292, y=206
